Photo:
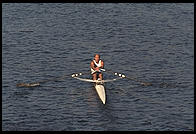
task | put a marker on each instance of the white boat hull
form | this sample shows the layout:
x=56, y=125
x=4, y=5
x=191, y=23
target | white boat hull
x=101, y=92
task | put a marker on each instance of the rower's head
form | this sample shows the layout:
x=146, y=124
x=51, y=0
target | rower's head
x=97, y=57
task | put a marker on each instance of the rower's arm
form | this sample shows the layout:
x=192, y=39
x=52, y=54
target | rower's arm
x=92, y=65
x=102, y=64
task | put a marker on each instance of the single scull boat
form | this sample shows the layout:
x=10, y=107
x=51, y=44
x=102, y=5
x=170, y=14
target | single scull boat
x=99, y=84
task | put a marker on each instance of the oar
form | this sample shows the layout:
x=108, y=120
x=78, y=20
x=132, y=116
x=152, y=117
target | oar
x=39, y=82
x=141, y=82
x=135, y=79
x=43, y=81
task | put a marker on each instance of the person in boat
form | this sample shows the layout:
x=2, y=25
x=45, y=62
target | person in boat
x=96, y=65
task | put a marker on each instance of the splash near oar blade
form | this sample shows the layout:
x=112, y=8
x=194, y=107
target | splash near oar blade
x=27, y=84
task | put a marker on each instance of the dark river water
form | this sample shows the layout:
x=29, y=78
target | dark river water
x=151, y=42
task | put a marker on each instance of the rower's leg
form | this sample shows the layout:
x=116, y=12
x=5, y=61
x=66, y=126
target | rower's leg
x=101, y=76
x=94, y=76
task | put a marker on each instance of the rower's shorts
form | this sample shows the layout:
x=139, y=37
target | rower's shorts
x=96, y=72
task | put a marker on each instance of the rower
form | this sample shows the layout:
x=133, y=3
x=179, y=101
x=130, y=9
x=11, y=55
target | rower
x=96, y=65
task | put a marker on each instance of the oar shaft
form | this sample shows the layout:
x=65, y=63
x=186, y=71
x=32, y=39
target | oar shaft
x=135, y=79
x=38, y=83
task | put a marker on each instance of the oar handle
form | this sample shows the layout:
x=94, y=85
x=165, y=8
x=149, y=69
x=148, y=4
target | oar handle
x=102, y=70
